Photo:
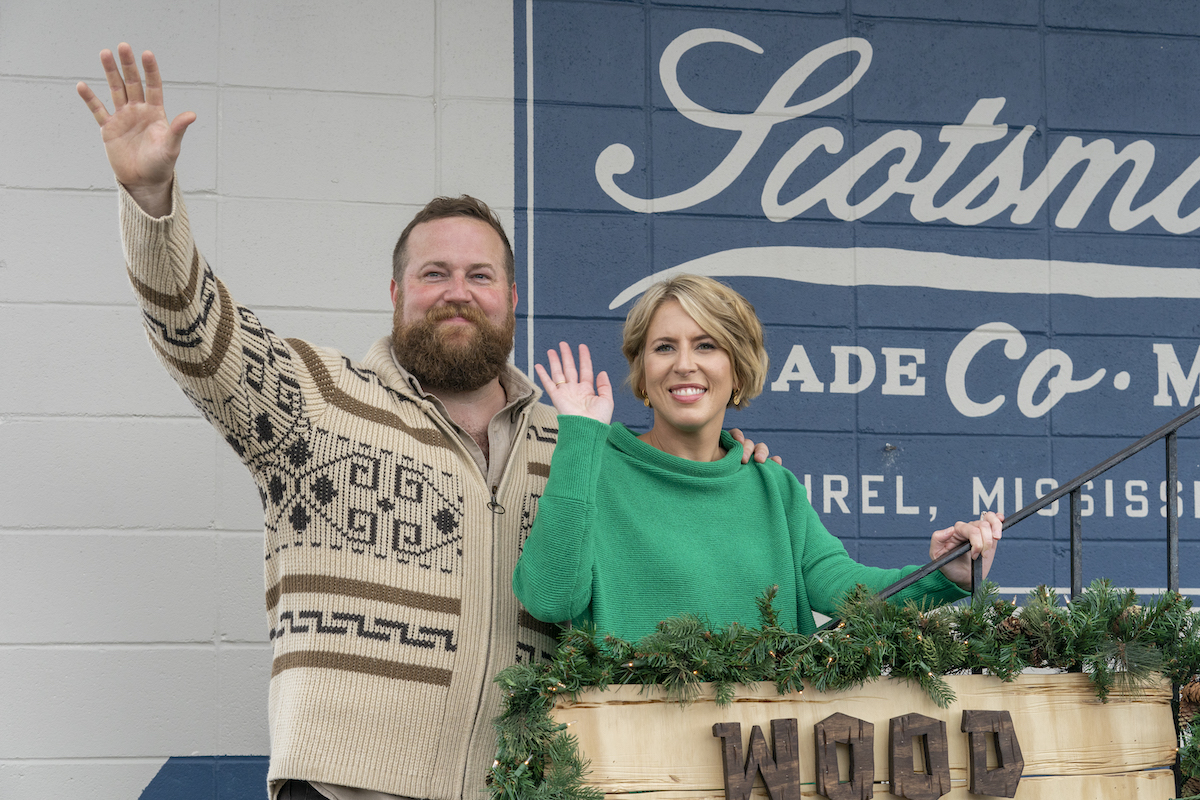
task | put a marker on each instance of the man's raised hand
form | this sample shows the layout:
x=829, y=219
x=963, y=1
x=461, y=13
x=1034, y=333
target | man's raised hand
x=141, y=145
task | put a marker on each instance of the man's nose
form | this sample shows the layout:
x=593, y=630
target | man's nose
x=457, y=290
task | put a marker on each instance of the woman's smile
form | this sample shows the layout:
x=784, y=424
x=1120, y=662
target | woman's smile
x=687, y=394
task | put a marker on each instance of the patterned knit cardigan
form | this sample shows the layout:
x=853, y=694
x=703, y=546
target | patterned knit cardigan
x=388, y=560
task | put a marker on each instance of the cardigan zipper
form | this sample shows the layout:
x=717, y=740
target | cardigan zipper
x=494, y=506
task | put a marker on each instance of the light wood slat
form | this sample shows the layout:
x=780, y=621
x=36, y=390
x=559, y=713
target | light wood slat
x=643, y=741
x=1156, y=784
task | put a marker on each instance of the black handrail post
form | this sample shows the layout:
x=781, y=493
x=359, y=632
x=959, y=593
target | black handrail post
x=1076, y=544
x=1172, y=513
x=977, y=578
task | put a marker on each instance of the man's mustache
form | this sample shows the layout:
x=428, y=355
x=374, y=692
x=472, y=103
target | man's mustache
x=469, y=313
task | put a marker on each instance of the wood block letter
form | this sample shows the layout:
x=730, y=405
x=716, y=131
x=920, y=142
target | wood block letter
x=907, y=732
x=781, y=774
x=1001, y=781
x=860, y=736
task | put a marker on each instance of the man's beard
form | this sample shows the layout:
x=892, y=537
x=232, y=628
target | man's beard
x=456, y=358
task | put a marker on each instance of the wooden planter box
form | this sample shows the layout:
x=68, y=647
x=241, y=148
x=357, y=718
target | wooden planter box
x=1071, y=744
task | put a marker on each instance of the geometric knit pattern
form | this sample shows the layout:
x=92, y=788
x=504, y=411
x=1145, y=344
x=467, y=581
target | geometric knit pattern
x=387, y=558
x=369, y=503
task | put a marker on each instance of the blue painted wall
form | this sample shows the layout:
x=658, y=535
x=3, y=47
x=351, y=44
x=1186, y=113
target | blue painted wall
x=1001, y=204
x=209, y=778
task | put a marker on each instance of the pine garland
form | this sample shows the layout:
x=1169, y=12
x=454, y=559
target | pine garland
x=1103, y=633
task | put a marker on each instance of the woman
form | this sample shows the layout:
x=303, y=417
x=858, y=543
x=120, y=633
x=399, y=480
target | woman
x=635, y=528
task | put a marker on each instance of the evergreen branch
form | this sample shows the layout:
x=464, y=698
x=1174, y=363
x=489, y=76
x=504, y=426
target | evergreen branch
x=1103, y=633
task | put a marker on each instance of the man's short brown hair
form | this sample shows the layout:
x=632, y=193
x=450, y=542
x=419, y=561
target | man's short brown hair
x=442, y=207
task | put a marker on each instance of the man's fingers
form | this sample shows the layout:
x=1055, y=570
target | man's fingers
x=154, y=93
x=94, y=104
x=133, y=79
x=179, y=125
x=112, y=76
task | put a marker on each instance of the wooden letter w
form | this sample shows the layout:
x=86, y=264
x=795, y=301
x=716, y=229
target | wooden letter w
x=781, y=774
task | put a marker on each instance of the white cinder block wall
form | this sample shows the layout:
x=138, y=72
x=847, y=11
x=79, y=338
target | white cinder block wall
x=131, y=599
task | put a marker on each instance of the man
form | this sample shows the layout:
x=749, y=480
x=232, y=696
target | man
x=396, y=491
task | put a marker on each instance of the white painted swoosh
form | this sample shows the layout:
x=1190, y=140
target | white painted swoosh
x=887, y=266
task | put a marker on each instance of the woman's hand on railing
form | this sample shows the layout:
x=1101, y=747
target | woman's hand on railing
x=983, y=534
x=574, y=391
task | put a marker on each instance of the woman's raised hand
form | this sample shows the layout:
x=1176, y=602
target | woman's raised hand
x=573, y=392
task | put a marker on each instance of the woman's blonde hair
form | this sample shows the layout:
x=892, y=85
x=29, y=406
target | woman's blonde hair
x=724, y=315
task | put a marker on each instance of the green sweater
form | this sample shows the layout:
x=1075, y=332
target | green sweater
x=627, y=535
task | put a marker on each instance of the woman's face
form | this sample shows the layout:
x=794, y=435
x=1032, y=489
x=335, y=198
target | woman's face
x=688, y=378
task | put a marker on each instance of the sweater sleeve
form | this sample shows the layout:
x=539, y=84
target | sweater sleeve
x=553, y=577
x=240, y=375
x=829, y=573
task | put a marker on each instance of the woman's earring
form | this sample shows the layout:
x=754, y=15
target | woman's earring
x=737, y=397
x=646, y=400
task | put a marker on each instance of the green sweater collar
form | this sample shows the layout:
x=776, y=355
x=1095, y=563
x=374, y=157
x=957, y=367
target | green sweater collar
x=627, y=442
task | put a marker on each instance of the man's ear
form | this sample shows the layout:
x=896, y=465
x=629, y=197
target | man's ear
x=394, y=291
x=514, y=297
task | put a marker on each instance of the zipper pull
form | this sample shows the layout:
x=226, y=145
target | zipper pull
x=494, y=506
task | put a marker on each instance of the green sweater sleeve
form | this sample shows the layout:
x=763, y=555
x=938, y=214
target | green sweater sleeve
x=553, y=577
x=829, y=573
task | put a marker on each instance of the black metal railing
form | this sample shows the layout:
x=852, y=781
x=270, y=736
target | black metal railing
x=1074, y=488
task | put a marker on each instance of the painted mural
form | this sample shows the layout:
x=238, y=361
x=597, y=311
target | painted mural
x=970, y=231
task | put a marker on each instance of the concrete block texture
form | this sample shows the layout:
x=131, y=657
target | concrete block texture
x=360, y=147
x=370, y=46
x=104, y=586
x=243, y=674
x=466, y=168
x=106, y=701
x=106, y=473
x=63, y=39
x=38, y=780
x=239, y=588
x=472, y=40
x=308, y=254
x=86, y=267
